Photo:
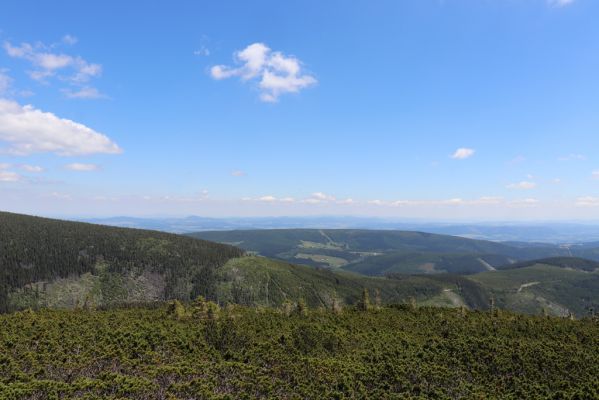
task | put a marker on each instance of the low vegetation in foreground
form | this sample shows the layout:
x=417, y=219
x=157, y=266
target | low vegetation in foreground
x=199, y=351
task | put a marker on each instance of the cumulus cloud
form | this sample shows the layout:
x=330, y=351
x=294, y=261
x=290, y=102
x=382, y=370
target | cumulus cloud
x=82, y=167
x=30, y=130
x=275, y=73
x=524, y=185
x=47, y=63
x=462, y=153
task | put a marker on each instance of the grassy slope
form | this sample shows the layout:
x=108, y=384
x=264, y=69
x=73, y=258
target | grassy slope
x=248, y=353
x=576, y=263
x=542, y=287
x=262, y=281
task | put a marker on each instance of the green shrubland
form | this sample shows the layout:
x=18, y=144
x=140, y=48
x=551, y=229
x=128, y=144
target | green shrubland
x=198, y=350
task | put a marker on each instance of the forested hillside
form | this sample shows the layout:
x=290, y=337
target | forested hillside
x=104, y=265
x=379, y=252
x=201, y=352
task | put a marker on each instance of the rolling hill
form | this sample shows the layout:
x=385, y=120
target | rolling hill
x=46, y=262
x=380, y=252
x=553, y=286
x=61, y=264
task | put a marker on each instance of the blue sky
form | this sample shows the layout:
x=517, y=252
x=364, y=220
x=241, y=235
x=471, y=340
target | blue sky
x=431, y=109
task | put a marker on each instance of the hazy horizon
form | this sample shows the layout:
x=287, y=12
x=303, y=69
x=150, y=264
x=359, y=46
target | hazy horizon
x=436, y=110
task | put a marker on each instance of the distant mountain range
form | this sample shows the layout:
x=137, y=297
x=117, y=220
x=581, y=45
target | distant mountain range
x=547, y=232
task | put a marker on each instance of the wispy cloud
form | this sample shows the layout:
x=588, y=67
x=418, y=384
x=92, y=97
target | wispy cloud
x=524, y=185
x=528, y=202
x=595, y=174
x=48, y=63
x=31, y=168
x=572, y=157
x=69, y=39
x=484, y=200
x=82, y=167
x=587, y=201
x=463, y=153
x=84, y=93
x=8, y=176
x=560, y=3
x=275, y=72
x=238, y=173
x=5, y=81
x=29, y=130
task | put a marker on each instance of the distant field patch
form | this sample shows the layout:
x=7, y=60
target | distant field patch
x=333, y=262
x=306, y=244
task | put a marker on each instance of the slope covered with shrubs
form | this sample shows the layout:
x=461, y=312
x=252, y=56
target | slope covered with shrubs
x=200, y=351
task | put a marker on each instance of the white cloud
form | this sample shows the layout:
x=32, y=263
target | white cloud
x=9, y=176
x=529, y=202
x=319, y=197
x=267, y=199
x=48, y=64
x=276, y=73
x=524, y=185
x=485, y=200
x=31, y=168
x=202, y=51
x=84, y=93
x=572, y=157
x=587, y=201
x=560, y=3
x=82, y=167
x=69, y=39
x=323, y=196
x=595, y=174
x=462, y=153
x=5, y=81
x=30, y=130
x=238, y=173
x=346, y=201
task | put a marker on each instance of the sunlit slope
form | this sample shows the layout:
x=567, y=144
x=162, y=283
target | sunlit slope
x=543, y=288
x=267, y=282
